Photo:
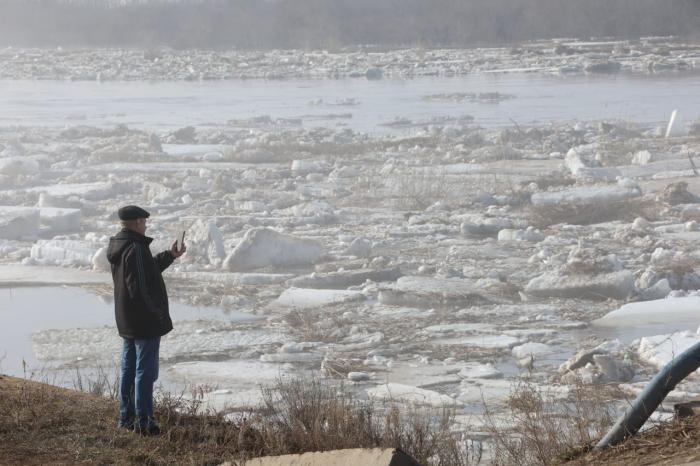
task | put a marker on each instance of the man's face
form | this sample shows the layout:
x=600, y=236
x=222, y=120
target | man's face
x=141, y=225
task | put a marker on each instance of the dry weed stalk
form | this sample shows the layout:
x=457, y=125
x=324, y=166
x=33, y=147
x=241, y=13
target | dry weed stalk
x=309, y=415
x=419, y=188
x=542, y=429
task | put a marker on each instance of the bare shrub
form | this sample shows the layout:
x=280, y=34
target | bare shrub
x=542, y=429
x=302, y=415
x=308, y=324
x=419, y=188
x=104, y=382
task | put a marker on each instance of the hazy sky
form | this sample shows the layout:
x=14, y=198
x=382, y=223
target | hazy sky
x=334, y=23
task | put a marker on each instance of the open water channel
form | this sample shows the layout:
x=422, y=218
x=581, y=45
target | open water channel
x=170, y=105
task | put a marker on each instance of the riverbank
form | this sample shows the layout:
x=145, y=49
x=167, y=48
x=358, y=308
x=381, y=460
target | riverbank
x=45, y=424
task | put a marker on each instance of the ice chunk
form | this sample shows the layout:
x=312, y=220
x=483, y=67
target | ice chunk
x=308, y=298
x=13, y=166
x=460, y=328
x=264, y=247
x=100, y=261
x=531, y=349
x=198, y=150
x=573, y=162
x=585, y=195
x=482, y=341
x=642, y=157
x=530, y=234
x=658, y=290
x=18, y=223
x=477, y=226
x=344, y=279
x=206, y=240
x=235, y=372
x=475, y=370
x=360, y=247
x=233, y=279
x=67, y=253
x=59, y=220
x=304, y=167
x=616, y=285
x=203, y=338
x=610, y=370
x=358, y=376
x=97, y=191
x=674, y=311
x=659, y=350
x=409, y=394
x=18, y=275
x=283, y=358
x=429, y=291
x=298, y=347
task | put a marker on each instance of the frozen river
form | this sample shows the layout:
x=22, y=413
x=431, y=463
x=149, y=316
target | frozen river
x=459, y=320
x=358, y=104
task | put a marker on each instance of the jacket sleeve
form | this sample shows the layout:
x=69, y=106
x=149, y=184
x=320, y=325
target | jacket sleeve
x=163, y=260
x=135, y=278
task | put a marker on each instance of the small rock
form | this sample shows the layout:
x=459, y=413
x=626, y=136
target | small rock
x=358, y=376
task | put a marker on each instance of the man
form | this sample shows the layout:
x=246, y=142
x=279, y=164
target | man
x=142, y=314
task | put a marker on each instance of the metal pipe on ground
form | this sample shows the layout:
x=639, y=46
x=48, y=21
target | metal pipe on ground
x=652, y=396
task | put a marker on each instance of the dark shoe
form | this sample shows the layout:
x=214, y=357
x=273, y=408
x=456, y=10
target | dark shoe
x=129, y=425
x=150, y=429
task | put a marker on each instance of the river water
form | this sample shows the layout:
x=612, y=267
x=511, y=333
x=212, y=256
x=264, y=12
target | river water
x=26, y=311
x=170, y=105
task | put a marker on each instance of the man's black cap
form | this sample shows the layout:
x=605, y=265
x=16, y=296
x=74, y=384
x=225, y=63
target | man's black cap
x=132, y=212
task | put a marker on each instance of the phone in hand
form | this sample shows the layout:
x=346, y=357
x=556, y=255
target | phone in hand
x=182, y=241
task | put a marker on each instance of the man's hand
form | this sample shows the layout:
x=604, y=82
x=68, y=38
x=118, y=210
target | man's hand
x=177, y=252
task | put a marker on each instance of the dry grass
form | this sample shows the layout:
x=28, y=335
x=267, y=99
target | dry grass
x=310, y=324
x=311, y=415
x=541, y=429
x=420, y=188
x=673, y=443
x=42, y=424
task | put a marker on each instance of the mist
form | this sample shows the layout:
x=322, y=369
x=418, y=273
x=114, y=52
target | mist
x=331, y=24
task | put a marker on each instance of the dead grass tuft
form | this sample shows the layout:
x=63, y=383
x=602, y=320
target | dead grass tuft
x=542, y=429
x=302, y=415
x=418, y=189
x=675, y=442
x=42, y=424
x=311, y=324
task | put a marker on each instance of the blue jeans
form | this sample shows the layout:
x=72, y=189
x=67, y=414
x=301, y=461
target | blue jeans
x=139, y=372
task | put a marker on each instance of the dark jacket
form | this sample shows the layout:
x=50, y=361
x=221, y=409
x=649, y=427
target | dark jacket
x=140, y=299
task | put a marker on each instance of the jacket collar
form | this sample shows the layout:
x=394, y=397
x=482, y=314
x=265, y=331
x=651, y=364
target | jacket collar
x=125, y=233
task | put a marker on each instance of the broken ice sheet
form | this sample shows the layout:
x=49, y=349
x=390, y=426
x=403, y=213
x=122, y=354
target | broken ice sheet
x=189, y=339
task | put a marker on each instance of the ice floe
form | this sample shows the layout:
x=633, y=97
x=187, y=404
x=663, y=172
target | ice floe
x=673, y=312
x=659, y=350
x=306, y=298
x=264, y=247
x=408, y=394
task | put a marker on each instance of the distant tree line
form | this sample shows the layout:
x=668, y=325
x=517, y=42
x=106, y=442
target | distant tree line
x=332, y=24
